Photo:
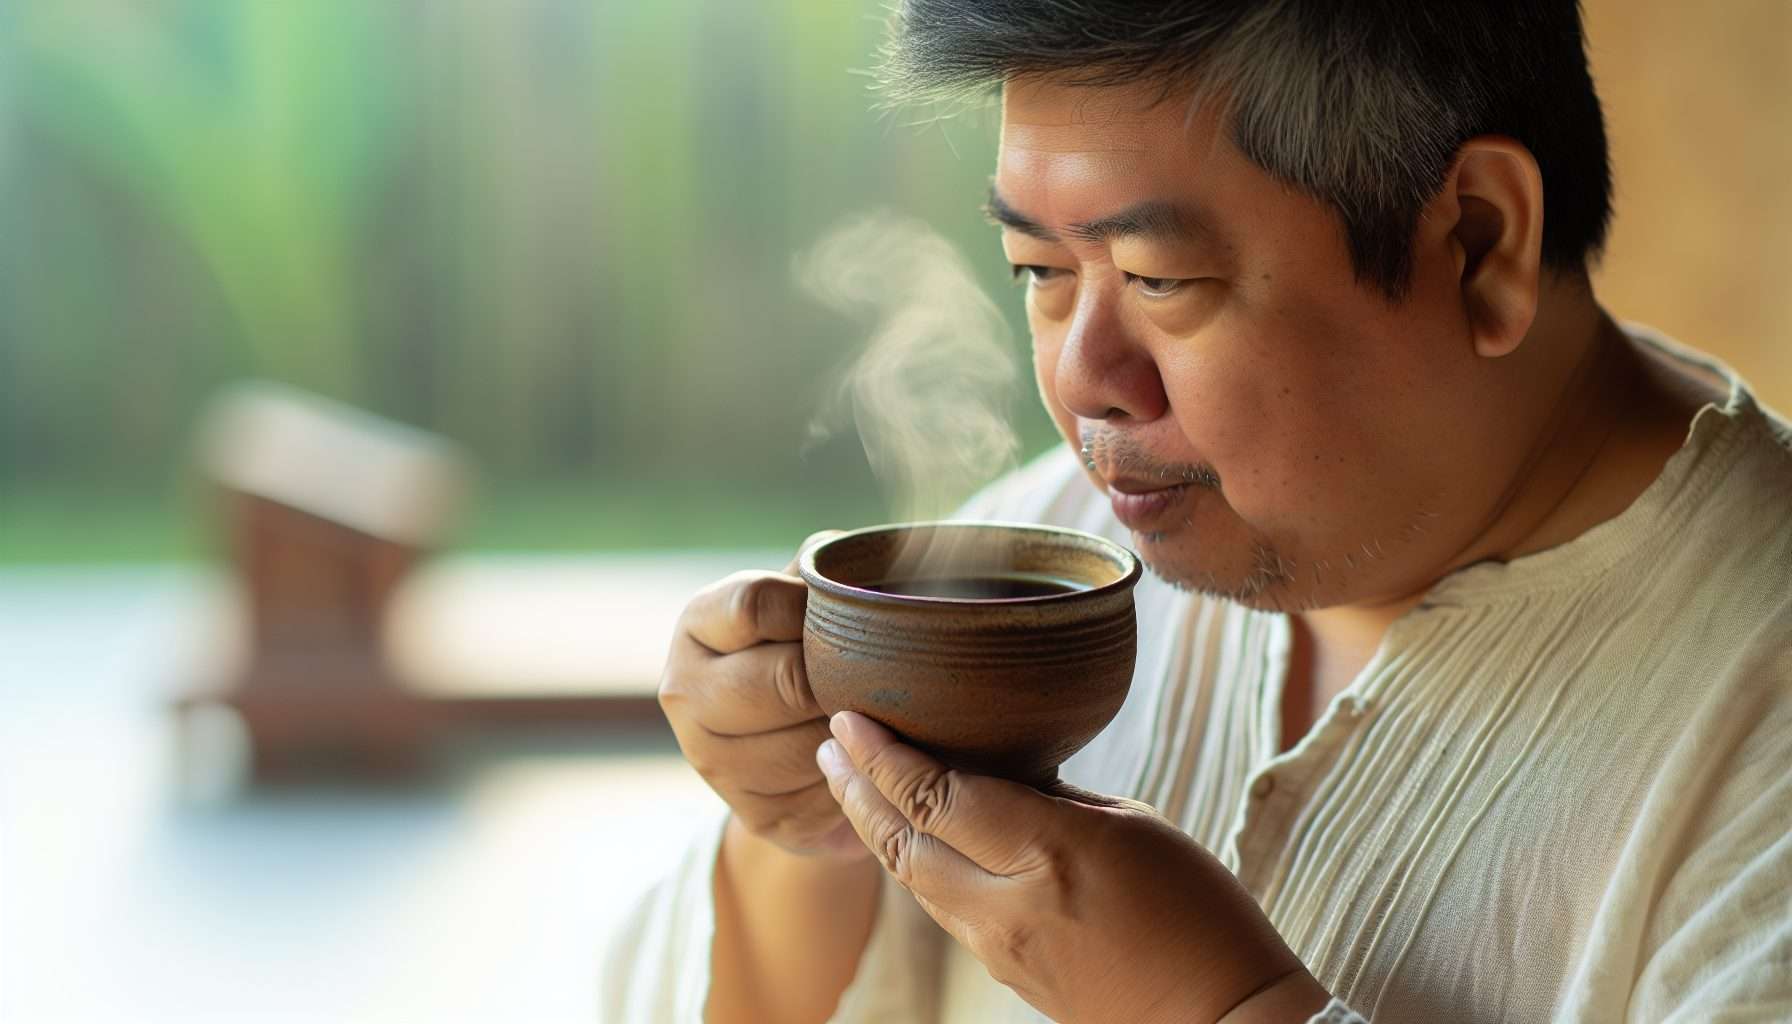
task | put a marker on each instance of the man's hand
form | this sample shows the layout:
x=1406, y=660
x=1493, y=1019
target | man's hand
x=738, y=700
x=1090, y=908
x=790, y=926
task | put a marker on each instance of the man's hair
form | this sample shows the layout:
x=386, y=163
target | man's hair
x=1362, y=104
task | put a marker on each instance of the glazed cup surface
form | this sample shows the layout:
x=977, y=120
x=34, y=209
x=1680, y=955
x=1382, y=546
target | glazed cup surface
x=998, y=686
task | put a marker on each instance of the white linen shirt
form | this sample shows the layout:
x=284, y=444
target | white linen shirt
x=1560, y=790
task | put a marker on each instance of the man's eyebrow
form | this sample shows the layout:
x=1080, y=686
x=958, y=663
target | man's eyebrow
x=998, y=210
x=1157, y=220
x=1152, y=219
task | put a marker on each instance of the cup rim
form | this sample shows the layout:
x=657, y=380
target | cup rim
x=816, y=581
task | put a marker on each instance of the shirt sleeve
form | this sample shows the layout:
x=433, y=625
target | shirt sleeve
x=655, y=967
x=899, y=973
x=655, y=962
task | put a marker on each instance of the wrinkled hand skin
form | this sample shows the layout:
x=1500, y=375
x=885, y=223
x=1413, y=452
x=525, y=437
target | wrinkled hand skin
x=1091, y=908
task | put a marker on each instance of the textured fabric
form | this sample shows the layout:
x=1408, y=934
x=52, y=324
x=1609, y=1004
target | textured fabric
x=1336, y=1012
x=1560, y=790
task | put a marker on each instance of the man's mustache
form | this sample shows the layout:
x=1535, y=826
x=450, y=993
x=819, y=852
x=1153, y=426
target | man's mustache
x=1112, y=453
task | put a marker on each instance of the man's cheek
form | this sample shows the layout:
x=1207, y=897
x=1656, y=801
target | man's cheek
x=1045, y=366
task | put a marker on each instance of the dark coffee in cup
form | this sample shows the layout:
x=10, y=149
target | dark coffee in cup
x=997, y=587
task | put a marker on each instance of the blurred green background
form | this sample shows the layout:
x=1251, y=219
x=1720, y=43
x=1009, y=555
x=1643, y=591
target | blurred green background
x=559, y=232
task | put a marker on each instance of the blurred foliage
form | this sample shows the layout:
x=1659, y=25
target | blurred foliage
x=559, y=232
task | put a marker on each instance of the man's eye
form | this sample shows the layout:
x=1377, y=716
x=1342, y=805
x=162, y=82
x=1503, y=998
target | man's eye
x=1029, y=273
x=1158, y=286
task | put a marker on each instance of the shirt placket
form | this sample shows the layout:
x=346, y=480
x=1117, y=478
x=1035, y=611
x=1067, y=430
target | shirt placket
x=1277, y=789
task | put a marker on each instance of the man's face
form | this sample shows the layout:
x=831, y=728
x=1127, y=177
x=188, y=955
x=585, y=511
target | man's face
x=1288, y=436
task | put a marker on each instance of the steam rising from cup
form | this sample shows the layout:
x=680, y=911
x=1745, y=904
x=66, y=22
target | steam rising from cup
x=930, y=393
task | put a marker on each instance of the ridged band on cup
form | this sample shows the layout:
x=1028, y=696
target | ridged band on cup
x=867, y=632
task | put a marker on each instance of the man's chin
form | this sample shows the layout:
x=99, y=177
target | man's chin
x=1266, y=584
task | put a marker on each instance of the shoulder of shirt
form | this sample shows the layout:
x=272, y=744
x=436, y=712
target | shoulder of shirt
x=1750, y=501
x=1740, y=406
x=1744, y=555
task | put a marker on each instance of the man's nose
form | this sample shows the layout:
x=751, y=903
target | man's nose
x=1103, y=372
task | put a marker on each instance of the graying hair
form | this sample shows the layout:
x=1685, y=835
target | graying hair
x=1359, y=103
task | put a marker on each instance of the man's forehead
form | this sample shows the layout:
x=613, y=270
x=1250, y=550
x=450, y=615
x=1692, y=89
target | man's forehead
x=1046, y=117
x=1083, y=162
x=1053, y=118
x=1075, y=153
x=1075, y=138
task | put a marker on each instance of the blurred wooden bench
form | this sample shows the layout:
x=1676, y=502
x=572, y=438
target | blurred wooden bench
x=346, y=643
x=472, y=644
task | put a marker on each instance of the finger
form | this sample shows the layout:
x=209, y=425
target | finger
x=806, y=822
x=768, y=764
x=745, y=609
x=808, y=542
x=994, y=822
x=756, y=690
x=924, y=864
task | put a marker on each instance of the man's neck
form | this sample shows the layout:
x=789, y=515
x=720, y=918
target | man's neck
x=1617, y=416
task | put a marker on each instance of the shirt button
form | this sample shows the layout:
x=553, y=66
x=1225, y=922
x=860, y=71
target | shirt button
x=1263, y=786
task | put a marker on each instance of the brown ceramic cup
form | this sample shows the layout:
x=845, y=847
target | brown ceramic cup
x=999, y=648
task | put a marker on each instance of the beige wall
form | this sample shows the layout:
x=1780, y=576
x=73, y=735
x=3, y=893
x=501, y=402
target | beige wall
x=1698, y=101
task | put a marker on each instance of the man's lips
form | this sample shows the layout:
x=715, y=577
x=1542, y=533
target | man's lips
x=1135, y=485
x=1144, y=504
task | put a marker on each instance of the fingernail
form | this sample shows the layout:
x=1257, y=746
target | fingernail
x=837, y=724
x=832, y=759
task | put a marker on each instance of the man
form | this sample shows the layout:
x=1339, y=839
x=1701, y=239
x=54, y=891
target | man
x=1463, y=689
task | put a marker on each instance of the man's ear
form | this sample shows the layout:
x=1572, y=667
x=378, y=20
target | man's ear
x=1491, y=207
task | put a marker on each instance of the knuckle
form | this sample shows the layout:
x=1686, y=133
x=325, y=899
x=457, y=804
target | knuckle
x=1058, y=869
x=1010, y=950
x=673, y=690
x=895, y=851
x=927, y=798
x=701, y=763
x=1055, y=879
x=686, y=689
x=790, y=681
x=760, y=602
x=745, y=599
